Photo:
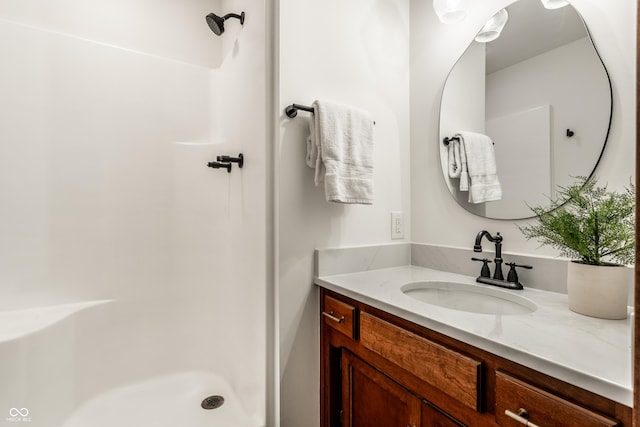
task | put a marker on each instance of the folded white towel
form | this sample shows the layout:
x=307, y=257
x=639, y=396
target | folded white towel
x=455, y=165
x=464, y=172
x=458, y=163
x=481, y=166
x=314, y=152
x=340, y=148
x=312, y=148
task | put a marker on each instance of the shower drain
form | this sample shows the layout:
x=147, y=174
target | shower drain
x=212, y=402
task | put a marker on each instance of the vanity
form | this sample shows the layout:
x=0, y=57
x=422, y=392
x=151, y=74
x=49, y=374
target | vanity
x=392, y=354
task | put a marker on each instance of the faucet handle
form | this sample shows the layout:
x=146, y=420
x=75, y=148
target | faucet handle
x=513, y=264
x=513, y=274
x=485, y=272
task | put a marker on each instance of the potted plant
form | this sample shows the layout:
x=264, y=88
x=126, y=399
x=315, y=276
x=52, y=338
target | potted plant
x=595, y=228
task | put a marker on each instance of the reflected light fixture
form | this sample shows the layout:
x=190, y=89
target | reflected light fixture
x=554, y=4
x=493, y=27
x=450, y=11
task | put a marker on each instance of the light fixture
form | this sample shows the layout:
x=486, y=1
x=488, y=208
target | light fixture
x=554, y=4
x=493, y=27
x=450, y=11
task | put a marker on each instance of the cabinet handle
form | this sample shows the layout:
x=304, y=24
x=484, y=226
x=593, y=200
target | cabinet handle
x=332, y=317
x=521, y=417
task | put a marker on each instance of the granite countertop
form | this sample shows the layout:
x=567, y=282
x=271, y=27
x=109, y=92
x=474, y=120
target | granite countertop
x=591, y=353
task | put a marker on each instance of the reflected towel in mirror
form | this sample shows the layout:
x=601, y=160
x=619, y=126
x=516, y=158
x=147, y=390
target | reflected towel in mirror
x=458, y=164
x=483, y=182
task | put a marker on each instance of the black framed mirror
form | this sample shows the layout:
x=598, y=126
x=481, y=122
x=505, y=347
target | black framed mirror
x=541, y=92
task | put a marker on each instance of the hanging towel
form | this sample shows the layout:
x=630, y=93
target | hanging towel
x=312, y=148
x=483, y=183
x=314, y=156
x=458, y=164
x=340, y=148
x=455, y=165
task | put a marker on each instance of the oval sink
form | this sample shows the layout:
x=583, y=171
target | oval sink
x=469, y=298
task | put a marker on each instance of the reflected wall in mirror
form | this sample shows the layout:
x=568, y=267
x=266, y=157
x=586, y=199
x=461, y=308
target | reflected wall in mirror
x=542, y=94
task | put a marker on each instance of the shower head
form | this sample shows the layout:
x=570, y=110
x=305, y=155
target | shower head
x=216, y=23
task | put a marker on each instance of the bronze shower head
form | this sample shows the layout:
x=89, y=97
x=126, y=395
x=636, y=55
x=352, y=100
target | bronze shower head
x=216, y=23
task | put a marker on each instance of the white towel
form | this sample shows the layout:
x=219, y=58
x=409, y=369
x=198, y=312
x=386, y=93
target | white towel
x=340, y=148
x=455, y=165
x=484, y=185
x=458, y=164
x=314, y=155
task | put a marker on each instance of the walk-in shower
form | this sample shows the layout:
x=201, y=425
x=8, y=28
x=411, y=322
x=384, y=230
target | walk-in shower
x=124, y=297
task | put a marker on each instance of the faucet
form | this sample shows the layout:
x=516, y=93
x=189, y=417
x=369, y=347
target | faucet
x=497, y=273
x=512, y=281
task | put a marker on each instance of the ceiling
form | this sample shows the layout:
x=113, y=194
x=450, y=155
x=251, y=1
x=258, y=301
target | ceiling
x=532, y=30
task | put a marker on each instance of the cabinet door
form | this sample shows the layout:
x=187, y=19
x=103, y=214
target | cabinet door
x=371, y=399
x=433, y=417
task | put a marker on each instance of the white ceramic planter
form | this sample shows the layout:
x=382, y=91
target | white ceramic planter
x=599, y=291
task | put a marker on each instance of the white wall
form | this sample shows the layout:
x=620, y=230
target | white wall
x=572, y=80
x=437, y=219
x=463, y=105
x=354, y=53
x=523, y=156
x=110, y=113
x=464, y=97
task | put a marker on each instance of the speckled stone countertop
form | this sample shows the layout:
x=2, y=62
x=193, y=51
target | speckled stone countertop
x=591, y=353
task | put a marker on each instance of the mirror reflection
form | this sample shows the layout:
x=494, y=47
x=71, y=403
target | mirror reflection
x=541, y=93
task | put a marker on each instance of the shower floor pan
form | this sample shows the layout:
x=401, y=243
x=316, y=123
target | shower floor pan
x=169, y=401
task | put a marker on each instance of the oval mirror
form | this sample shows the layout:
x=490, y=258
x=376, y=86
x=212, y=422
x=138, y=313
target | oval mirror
x=541, y=93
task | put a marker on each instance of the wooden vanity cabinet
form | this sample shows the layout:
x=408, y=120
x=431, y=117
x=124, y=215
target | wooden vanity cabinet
x=373, y=399
x=378, y=370
x=539, y=407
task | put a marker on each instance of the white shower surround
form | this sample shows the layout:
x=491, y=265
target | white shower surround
x=105, y=139
x=63, y=367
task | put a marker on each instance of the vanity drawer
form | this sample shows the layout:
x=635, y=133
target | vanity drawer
x=340, y=316
x=543, y=409
x=449, y=371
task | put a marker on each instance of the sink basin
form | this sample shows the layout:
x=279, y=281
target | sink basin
x=469, y=298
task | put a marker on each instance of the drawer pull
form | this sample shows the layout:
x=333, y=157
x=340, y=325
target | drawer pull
x=521, y=417
x=332, y=317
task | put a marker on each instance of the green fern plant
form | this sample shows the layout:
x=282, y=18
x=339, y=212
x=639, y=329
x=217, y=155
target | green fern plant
x=588, y=223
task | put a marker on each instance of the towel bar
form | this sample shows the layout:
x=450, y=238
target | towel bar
x=447, y=140
x=292, y=110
